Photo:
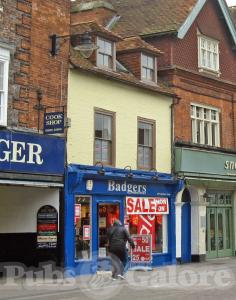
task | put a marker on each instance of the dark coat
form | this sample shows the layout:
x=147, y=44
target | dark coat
x=118, y=237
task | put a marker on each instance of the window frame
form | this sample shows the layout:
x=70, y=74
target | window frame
x=91, y=227
x=203, y=121
x=153, y=123
x=113, y=139
x=205, y=68
x=113, y=55
x=144, y=79
x=5, y=58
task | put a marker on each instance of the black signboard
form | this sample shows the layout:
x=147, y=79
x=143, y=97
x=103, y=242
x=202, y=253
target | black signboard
x=54, y=122
x=47, y=227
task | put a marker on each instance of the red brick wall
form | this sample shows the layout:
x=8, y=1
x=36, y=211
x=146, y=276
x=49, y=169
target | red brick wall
x=27, y=25
x=132, y=61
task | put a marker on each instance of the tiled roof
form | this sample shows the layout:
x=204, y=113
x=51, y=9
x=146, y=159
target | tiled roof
x=84, y=64
x=232, y=10
x=94, y=28
x=136, y=43
x=143, y=17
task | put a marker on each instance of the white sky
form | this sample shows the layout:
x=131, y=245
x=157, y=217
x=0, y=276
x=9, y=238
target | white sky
x=231, y=2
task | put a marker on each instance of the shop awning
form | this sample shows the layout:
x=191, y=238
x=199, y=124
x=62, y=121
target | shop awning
x=211, y=182
x=31, y=183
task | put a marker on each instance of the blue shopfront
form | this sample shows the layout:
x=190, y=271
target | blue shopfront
x=95, y=196
x=31, y=195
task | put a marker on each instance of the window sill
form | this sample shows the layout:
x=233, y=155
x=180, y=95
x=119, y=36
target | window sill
x=153, y=83
x=209, y=72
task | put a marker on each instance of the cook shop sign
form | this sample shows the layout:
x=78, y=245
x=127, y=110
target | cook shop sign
x=147, y=206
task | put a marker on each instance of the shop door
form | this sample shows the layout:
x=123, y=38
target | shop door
x=186, y=233
x=219, y=232
x=107, y=213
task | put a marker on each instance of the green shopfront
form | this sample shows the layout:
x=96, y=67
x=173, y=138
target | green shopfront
x=207, y=228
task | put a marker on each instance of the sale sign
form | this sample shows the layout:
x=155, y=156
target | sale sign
x=143, y=249
x=147, y=206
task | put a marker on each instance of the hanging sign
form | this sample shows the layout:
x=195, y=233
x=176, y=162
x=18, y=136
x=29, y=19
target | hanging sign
x=47, y=227
x=147, y=206
x=142, y=253
x=53, y=122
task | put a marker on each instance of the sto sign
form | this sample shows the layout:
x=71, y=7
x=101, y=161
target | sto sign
x=147, y=206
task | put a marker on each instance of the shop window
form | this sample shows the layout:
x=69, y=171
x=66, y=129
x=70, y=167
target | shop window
x=104, y=137
x=146, y=143
x=83, y=229
x=156, y=225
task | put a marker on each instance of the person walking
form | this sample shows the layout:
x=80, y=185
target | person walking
x=117, y=239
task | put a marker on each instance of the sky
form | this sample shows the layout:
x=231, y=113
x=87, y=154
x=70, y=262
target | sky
x=231, y=2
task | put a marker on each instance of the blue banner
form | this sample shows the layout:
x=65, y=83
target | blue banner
x=31, y=153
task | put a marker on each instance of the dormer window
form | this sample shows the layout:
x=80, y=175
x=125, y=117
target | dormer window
x=208, y=54
x=105, y=54
x=149, y=70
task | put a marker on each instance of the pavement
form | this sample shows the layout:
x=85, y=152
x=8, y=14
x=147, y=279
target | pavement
x=214, y=279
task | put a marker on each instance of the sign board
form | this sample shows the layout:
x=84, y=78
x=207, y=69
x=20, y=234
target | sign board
x=31, y=153
x=47, y=227
x=142, y=253
x=86, y=233
x=147, y=206
x=54, y=122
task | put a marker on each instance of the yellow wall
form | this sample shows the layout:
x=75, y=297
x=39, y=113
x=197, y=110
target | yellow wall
x=87, y=91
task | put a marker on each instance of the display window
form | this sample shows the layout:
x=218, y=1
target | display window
x=83, y=230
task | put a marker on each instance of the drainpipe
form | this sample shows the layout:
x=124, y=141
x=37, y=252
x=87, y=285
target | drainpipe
x=233, y=118
x=176, y=100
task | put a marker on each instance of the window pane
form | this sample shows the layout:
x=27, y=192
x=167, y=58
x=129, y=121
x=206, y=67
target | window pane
x=206, y=133
x=83, y=232
x=1, y=75
x=98, y=125
x=106, y=152
x=107, y=127
x=1, y=106
x=147, y=160
x=98, y=150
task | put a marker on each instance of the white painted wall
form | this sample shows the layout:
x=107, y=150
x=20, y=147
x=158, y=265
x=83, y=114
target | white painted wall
x=19, y=207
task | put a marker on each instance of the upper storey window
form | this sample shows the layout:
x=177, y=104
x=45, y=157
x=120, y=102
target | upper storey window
x=149, y=69
x=4, y=67
x=208, y=54
x=105, y=54
x=205, y=125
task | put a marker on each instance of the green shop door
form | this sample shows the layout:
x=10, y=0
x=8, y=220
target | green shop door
x=219, y=232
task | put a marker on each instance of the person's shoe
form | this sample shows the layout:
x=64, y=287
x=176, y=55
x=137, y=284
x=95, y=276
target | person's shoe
x=121, y=276
x=114, y=278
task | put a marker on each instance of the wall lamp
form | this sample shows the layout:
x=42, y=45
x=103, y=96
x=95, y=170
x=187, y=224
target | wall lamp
x=100, y=171
x=155, y=176
x=80, y=42
x=206, y=197
x=129, y=174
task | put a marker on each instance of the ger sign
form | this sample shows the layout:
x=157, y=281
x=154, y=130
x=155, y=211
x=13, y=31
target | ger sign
x=147, y=206
x=54, y=123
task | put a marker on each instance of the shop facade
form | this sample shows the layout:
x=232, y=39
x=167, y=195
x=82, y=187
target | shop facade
x=31, y=184
x=205, y=208
x=95, y=196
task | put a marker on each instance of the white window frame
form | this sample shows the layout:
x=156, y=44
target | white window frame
x=205, y=121
x=208, y=65
x=112, y=55
x=5, y=59
x=143, y=77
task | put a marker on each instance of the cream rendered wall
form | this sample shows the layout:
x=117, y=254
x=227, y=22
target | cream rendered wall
x=87, y=91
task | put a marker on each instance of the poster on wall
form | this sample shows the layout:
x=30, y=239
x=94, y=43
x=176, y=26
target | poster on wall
x=142, y=253
x=86, y=233
x=47, y=227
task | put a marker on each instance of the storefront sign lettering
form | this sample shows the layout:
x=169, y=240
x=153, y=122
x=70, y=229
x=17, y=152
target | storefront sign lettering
x=20, y=152
x=143, y=248
x=126, y=187
x=230, y=165
x=148, y=206
x=31, y=153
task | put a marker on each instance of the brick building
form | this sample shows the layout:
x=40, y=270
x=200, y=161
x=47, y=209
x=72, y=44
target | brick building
x=198, y=39
x=31, y=80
